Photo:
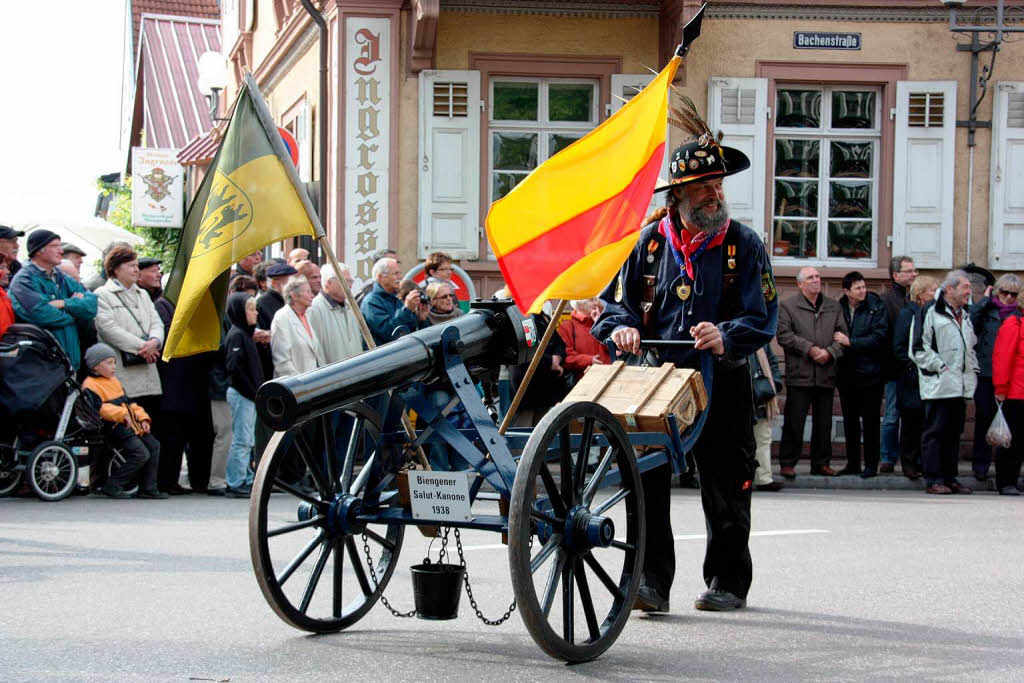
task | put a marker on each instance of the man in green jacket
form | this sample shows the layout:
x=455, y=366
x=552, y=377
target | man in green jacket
x=42, y=295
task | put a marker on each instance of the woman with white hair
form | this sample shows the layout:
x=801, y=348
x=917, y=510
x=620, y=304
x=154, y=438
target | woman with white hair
x=293, y=343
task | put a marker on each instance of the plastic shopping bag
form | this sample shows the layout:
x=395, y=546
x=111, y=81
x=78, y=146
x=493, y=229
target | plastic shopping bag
x=999, y=433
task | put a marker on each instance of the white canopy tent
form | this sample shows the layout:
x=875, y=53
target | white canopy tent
x=92, y=234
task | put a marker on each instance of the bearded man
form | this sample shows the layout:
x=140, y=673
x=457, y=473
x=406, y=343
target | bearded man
x=699, y=276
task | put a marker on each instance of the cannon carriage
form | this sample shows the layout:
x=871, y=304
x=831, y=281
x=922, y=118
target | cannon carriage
x=571, y=486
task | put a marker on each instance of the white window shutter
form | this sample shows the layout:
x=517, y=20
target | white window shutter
x=922, y=196
x=1006, y=199
x=739, y=108
x=304, y=137
x=449, y=163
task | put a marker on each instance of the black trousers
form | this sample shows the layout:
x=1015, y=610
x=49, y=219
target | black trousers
x=798, y=401
x=725, y=457
x=135, y=459
x=176, y=431
x=1008, y=460
x=940, y=439
x=984, y=411
x=862, y=404
x=911, y=424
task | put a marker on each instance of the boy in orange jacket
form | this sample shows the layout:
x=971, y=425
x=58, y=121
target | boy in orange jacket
x=135, y=449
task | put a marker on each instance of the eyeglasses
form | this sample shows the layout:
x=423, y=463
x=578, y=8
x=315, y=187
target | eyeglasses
x=443, y=296
x=1013, y=294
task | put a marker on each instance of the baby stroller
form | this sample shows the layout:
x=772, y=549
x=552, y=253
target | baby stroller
x=48, y=428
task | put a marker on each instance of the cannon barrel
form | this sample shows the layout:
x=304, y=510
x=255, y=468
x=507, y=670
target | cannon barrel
x=492, y=333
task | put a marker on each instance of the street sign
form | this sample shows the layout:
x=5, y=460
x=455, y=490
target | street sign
x=291, y=144
x=820, y=40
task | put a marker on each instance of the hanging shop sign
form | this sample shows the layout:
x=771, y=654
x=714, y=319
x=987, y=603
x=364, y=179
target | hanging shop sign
x=158, y=188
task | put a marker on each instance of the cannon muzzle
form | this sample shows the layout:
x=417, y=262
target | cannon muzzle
x=493, y=333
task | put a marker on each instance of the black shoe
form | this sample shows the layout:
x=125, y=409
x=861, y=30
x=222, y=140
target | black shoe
x=152, y=494
x=111, y=491
x=868, y=473
x=177, y=490
x=81, y=491
x=219, y=491
x=689, y=481
x=240, y=492
x=770, y=486
x=848, y=470
x=648, y=600
x=717, y=600
x=1009, y=491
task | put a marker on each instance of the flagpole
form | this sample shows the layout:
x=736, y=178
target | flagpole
x=532, y=368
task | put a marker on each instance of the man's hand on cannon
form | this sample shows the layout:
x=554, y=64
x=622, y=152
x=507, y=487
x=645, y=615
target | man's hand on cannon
x=627, y=339
x=708, y=336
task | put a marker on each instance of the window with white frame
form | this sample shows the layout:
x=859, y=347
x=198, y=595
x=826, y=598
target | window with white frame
x=825, y=203
x=531, y=120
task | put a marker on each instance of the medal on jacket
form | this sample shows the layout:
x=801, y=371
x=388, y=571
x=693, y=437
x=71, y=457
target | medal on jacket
x=618, y=289
x=732, y=257
x=683, y=291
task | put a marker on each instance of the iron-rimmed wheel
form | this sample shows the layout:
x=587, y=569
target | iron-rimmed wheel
x=565, y=532
x=52, y=471
x=314, y=574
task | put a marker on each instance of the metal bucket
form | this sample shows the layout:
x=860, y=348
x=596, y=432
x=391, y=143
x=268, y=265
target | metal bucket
x=436, y=589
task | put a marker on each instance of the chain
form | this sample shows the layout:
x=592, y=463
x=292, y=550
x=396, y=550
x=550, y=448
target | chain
x=376, y=583
x=469, y=589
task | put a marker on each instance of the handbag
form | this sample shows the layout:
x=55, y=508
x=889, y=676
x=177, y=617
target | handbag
x=763, y=387
x=128, y=358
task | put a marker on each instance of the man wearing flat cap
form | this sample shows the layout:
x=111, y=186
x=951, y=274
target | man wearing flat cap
x=74, y=253
x=9, y=247
x=267, y=305
x=150, y=275
x=43, y=295
x=697, y=275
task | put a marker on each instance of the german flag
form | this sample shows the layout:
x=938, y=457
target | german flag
x=564, y=231
x=250, y=197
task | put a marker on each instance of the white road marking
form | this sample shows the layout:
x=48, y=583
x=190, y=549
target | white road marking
x=686, y=537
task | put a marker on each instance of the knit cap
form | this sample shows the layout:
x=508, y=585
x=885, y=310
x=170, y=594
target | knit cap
x=96, y=353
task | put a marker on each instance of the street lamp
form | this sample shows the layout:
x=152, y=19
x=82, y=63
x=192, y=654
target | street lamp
x=991, y=21
x=213, y=78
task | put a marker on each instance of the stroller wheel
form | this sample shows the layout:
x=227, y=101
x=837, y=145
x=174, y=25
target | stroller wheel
x=52, y=470
x=9, y=480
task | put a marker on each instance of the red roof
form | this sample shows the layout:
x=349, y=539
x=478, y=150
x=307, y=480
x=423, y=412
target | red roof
x=209, y=9
x=200, y=150
x=174, y=112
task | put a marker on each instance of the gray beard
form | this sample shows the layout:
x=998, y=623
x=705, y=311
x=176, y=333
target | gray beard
x=708, y=223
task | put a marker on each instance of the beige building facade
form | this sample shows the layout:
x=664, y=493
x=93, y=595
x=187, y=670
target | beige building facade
x=848, y=110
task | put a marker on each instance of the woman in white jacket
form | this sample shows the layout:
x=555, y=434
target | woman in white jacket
x=293, y=342
x=127, y=320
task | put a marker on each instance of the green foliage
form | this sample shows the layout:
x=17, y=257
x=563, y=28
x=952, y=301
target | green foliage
x=160, y=243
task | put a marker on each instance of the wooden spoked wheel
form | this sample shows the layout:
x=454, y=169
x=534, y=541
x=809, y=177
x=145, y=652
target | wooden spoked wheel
x=576, y=549
x=307, y=548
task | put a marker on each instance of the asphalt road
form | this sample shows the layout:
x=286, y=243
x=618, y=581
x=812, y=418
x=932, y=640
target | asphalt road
x=848, y=585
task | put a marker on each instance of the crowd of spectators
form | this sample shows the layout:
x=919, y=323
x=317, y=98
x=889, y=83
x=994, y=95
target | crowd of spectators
x=915, y=354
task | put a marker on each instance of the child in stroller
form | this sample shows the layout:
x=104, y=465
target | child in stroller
x=128, y=428
x=48, y=429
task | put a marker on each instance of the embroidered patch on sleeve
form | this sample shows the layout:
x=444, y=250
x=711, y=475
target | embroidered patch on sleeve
x=768, y=287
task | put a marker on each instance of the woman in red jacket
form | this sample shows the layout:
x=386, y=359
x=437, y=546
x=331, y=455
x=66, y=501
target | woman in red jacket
x=1008, y=380
x=6, y=309
x=581, y=348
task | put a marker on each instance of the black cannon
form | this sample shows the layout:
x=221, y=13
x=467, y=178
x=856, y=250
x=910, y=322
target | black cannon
x=570, y=503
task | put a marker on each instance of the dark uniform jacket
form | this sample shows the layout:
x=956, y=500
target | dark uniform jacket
x=986, y=321
x=908, y=392
x=735, y=292
x=803, y=325
x=267, y=305
x=864, y=359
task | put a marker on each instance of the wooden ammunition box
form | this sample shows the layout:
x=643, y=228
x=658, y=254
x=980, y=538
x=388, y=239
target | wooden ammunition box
x=642, y=398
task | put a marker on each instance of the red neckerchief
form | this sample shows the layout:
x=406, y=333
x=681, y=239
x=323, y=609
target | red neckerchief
x=695, y=245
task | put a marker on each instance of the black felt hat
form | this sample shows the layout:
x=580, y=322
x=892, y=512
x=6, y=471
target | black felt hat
x=148, y=262
x=703, y=159
x=280, y=270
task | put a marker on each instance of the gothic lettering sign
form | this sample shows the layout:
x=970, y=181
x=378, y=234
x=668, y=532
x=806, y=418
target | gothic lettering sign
x=367, y=140
x=158, y=188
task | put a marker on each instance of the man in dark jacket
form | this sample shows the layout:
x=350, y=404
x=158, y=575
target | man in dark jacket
x=384, y=311
x=902, y=272
x=859, y=372
x=185, y=417
x=267, y=305
x=697, y=275
x=808, y=322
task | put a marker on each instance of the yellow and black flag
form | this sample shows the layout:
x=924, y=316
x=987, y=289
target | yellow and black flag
x=251, y=197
